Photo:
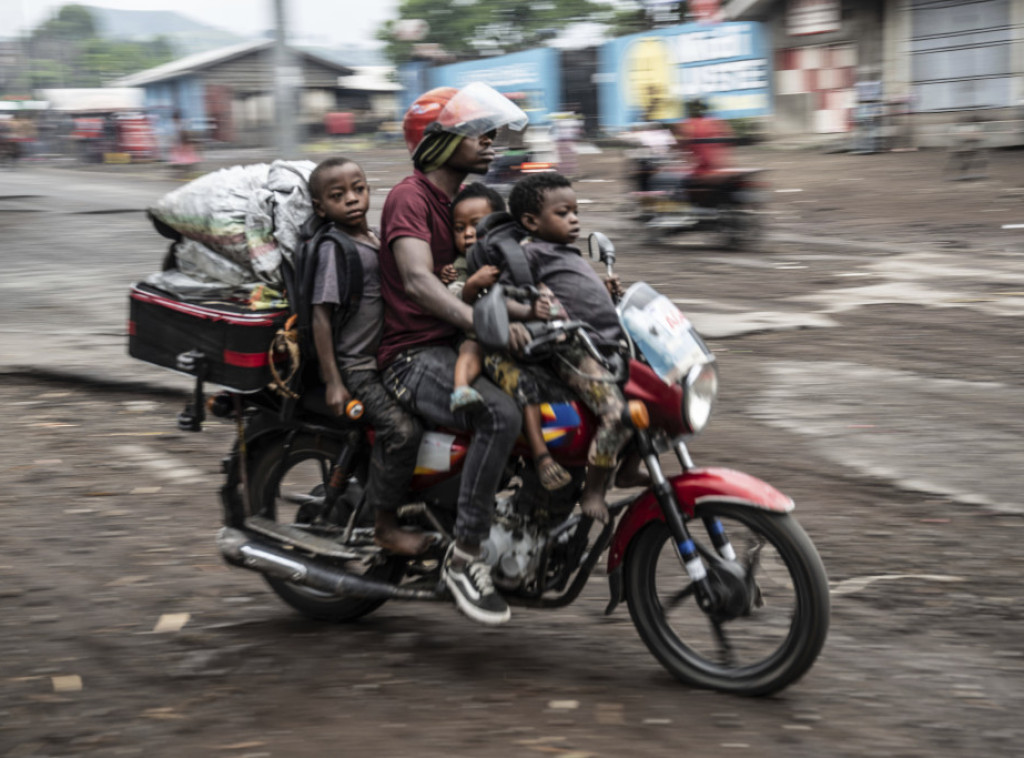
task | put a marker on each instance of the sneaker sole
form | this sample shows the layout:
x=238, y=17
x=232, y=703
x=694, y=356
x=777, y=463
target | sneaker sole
x=477, y=614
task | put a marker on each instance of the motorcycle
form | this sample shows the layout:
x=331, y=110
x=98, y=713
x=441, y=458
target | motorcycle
x=520, y=153
x=722, y=584
x=668, y=200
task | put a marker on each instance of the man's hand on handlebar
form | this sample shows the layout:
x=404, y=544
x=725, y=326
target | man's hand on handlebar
x=518, y=337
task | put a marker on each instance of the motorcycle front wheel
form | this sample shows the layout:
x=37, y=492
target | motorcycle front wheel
x=742, y=227
x=771, y=627
x=287, y=484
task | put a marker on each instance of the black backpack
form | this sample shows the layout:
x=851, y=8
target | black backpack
x=300, y=277
x=498, y=244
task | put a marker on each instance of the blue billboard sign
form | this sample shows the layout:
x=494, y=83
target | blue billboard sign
x=413, y=77
x=531, y=78
x=648, y=76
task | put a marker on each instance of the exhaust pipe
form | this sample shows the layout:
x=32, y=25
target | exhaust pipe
x=240, y=549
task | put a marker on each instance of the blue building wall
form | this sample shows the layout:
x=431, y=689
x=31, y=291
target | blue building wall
x=650, y=75
x=533, y=77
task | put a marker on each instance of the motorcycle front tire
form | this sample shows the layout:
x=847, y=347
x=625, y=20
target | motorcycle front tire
x=791, y=608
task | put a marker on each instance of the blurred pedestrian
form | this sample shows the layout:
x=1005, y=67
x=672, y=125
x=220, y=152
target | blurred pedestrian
x=566, y=128
x=967, y=158
x=184, y=154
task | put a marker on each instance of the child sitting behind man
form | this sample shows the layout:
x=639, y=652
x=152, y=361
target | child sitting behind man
x=470, y=206
x=544, y=205
x=348, y=356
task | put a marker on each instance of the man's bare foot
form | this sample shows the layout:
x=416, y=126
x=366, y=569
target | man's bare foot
x=595, y=507
x=393, y=538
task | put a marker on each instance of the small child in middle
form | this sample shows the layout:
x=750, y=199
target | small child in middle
x=470, y=206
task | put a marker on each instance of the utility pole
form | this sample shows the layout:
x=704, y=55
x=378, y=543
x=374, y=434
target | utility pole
x=285, y=76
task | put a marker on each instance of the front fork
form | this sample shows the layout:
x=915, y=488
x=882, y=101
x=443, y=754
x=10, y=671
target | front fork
x=689, y=556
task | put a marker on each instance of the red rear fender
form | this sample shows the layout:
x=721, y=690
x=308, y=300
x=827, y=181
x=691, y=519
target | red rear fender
x=692, y=488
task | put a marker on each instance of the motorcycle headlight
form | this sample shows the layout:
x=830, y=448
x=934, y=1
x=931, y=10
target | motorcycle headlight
x=699, y=393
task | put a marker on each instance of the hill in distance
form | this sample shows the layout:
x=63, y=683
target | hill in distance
x=189, y=36
x=186, y=34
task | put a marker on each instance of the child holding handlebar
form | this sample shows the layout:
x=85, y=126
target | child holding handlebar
x=544, y=205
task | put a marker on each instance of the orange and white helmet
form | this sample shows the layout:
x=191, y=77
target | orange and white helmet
x=469, y=112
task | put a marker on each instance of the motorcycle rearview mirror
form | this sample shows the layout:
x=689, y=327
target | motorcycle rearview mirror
x=490, y=319
x=601, y=247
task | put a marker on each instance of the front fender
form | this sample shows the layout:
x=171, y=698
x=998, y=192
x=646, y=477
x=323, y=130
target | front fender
x=693, y=488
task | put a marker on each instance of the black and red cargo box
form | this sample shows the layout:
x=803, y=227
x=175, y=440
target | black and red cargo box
x=224, y=342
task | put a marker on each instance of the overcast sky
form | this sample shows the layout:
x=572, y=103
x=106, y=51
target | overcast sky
x=313, y=21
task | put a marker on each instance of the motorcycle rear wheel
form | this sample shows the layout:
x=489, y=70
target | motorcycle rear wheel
x=759, y=650
x=280, y=477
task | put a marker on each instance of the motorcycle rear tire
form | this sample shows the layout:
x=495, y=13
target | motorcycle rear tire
x=742, y=227
x=269, y=469
x=794, y=643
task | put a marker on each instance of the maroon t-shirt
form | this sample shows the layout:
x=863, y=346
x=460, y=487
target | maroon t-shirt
x=414, y=208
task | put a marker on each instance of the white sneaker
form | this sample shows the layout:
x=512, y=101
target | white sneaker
x=471, y=586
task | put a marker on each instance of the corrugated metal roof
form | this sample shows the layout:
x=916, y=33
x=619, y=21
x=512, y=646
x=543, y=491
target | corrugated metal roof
x=192, y=63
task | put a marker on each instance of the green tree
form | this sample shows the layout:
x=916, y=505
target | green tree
x=478, y=28
x=632, y=16
x=66, y=51
x=71, y=22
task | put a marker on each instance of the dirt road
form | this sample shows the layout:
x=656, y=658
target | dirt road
x=870, y=369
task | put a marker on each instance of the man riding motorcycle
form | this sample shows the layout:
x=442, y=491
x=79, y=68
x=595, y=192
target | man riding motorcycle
x=705, y=139
x=449, y=134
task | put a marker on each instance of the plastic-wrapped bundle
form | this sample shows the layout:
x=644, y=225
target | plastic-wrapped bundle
x=200, y=262
x=249, y=214
x=275, y=214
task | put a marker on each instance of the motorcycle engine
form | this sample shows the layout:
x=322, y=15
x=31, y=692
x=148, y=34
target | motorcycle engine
x=513, y=547
x=519, y=529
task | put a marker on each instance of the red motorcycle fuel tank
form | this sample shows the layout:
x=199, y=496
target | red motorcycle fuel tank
x=567, y=429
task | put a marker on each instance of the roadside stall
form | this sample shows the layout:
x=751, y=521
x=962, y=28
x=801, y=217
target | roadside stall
x=110, y=124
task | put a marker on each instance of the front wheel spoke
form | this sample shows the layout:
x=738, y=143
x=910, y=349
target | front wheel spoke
x=753, y=562
x=679, y=597
x=725, y=650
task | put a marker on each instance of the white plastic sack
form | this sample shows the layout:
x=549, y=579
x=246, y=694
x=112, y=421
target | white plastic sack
x=200, y=262
x=274, y=216
x=249, y=214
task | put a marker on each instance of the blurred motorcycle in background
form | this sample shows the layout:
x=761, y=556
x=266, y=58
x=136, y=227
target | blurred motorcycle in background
x=667, y=198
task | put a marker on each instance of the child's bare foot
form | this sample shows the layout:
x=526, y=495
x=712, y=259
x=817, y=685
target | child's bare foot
x=393, y=538
x=594, y=506
x=552, y=474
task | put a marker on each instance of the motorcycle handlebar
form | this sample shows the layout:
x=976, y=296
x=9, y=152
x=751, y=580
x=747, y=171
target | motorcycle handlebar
x=528, y=294
x=556, y=330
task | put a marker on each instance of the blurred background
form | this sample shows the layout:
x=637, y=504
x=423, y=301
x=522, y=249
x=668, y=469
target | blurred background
x=864, y=306
x=121, y=82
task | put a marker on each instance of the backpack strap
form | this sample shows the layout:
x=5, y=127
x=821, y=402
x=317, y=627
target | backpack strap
x=500, y=247
x=349, y=273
